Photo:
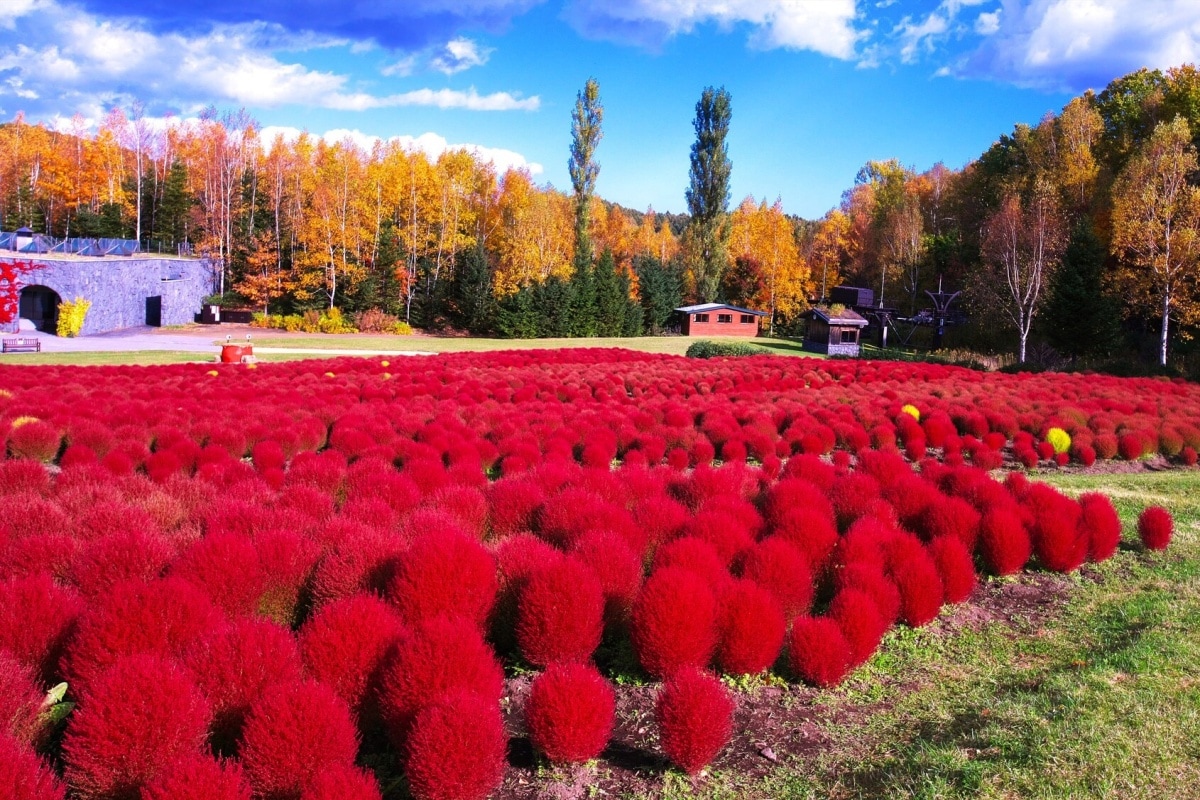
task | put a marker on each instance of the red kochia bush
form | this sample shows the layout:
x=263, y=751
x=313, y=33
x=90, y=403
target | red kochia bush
x=20, y=702
x=226, y=567
x=570, y=712
x=293, y=732
x=37, y=440
x=1155, y=527
x=198, y=777
x=23, y=776
x=140, y=716
x=445, y=573
x=344, y=643
x=234, y=665
x=751, y=627
x=1058, y=540
x=117, y=557
x=1101, y=524
x=456, y=749
x=36, y=615
x=616, y=566
x=674, y=622
x=695, y=718
x=694, y=555
x=955, y=566
x=920, y=585
x=440, y=655
x=159, y=618
x=860, y=621
x=782, y=569
x=560, y=613
x=342, y=782
x=1003, y=541
x=818, y=652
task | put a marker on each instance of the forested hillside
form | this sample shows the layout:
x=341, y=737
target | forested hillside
x=1071, y=239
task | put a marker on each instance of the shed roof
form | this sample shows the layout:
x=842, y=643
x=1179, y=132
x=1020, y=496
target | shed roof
x=845, y=317
x=703, y=307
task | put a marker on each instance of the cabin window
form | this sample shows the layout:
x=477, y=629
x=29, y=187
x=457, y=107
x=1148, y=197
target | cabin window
x=747, y=319
x=725, y=318
x=849, y=336
x=702, y=318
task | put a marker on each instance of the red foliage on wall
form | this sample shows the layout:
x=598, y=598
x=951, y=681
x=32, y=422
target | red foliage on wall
x=695, y=718
x=456, y=748
x=570, y=712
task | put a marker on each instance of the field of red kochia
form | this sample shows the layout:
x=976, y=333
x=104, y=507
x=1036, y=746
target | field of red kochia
x=255, y=581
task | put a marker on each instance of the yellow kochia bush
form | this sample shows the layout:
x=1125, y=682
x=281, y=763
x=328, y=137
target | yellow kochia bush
x=71, y=314
x=1059, y=439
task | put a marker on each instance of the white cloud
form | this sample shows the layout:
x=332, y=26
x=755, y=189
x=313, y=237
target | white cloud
x=71, y=61
x=460, y=54
x=916, y=36
x=824, y=26
x=986, y=24
x=431, y=144
x=1077, y=44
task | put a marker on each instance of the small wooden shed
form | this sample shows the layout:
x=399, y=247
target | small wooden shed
x=719, y=319
x=833, y=331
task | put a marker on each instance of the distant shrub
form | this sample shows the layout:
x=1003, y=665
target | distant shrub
x=373, y=320
x=695, y=718
x=570, y=712
x=674, y=621
x=71, y=314
x=293, y=732
x=707, y=349
x=139, y=717
x=456, y=748
x=1155, y=527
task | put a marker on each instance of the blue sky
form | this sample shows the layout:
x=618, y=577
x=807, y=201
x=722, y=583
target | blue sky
x=819, y=87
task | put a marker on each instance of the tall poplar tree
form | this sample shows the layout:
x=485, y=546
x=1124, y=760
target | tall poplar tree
x=585, y=136
x=708, y=191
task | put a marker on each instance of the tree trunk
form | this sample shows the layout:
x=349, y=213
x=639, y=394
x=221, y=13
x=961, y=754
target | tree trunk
x=1166, y=319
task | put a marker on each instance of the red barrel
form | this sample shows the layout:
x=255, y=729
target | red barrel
x=233, y=353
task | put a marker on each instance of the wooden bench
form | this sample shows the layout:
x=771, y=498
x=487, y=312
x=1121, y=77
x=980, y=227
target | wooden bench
x=22, y=345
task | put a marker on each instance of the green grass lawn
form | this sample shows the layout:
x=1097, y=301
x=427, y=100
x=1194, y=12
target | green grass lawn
x=669, y=345
x=138, y=358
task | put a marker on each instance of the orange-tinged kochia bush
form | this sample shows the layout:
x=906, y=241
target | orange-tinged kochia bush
x=570, y=712
x=674, y=622
x=695, y=718
x=456, y=748
x=140, y=716
x=560, y=613
x=292, y=733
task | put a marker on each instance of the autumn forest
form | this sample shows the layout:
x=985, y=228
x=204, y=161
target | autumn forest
x=1076, y=240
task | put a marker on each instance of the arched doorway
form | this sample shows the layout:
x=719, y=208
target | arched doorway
x=39, y=305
